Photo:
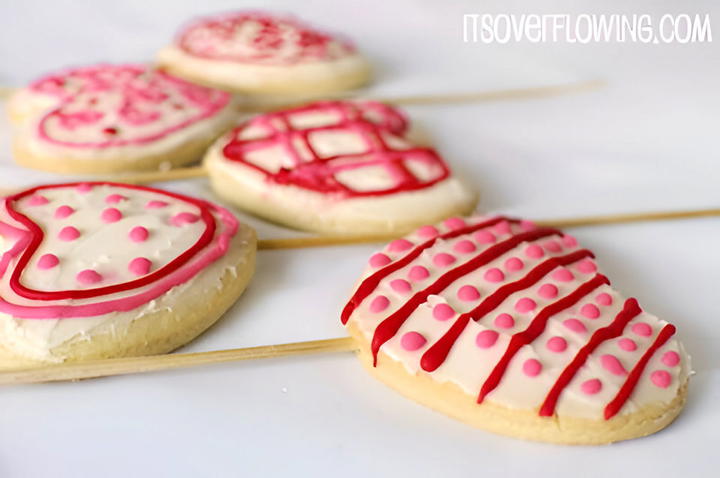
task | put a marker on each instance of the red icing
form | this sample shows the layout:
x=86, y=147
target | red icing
x=143, y=93
x=266, y=39
x=371, y=122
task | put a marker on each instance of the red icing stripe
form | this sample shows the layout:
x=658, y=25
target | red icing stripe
x=438, y=352
x=370, y=283
x=389, y=327
x=533, y=331
x=631, y=309
x=612, y=408
x=37, y=234
x=319, y=173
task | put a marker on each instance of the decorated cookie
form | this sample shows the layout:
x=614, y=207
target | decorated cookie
x=110, y=118
x=335, y=167
x=96, y=270
x=511, y=328
x=255, y=52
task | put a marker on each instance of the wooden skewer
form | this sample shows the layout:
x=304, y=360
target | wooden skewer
x=322, y=241
x=129, y=365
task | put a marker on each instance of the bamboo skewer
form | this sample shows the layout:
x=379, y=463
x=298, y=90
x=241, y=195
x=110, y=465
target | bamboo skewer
x=322, y=241
x=129, y=365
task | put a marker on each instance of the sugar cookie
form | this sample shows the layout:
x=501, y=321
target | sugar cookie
x=115, y=118
x=510, y=328
x=335, y=167
x=96, y=270
x=255, y=52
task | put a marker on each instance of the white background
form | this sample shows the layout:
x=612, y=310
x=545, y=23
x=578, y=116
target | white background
x=647, y=141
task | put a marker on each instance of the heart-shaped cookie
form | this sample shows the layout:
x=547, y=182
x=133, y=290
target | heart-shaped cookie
x=338, y=167
x=262, y=53
x=111, y=118
x=511, y=328
x=106, y=269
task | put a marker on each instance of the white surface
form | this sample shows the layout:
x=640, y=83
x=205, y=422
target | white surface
x=647, y=141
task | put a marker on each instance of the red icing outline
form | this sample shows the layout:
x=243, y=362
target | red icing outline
x=318, y=174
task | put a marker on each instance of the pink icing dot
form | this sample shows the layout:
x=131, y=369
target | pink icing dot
x=504, y=321
x=525, y=305
x=586, y=266
x=37, y=200
x=138, y=234
x=400, y=285
x=464, y=247
x=468, y=293
x=591, y=387
x=569, y=241
x=527, y=225
x=418, y=273
x=443, y=259
x=532, y=368
x=626, y=344
x=670, y=358
x=63, y=211
x=443, y=312
x=590, y=311
x=379, y=260
x=154, y=204
x=553, y=246
x=485, y=237
x=88, y=276
x=83, y=188
x=139, y=266
x=563, y=275
x=68, y=233
x=556, y=344
x=604, y=299
x=454, y=223
x=534, y=251
x=514, y=264
x=612, y=364
x=427, y=232
x=412, y=341
x=575, y=325
x=115, y=198
x=48, y=261
x=399, y=245
x=494, y=275
x=184, y=218
x=661, y=378
x=486, y=339
x=642, y=329
x=503, y=227
x=379, y=304
x=111, y=214
x=548, y=291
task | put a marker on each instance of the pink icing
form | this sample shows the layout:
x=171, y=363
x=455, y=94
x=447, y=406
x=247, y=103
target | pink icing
x=548, y=291
x=379, y=304
x=486, y=339
x=155, y=204
x=604, y=299
x=412, y=341
x=88, y=276
x=527, y=225
x=63, y=211
x=443, y=259
x=464, y=247
x=485, y=237
x=575, y=325
x=427, y=232
x=379, y=260
x=68, y=233
x=443, y=312
x=661, y=378
x=532, y=367
x=401, y=286
x=569, y=241
x=468, y=293
x=553, y=246
x=525, y=305
x=534, y=251
x=503, y=227
x=590, y=311
x=556, y=344
x=48, y=261
x=418, y=273
x=140, y=266
x=454, y=223
x=494, y=275
x=399, y=245
x=642, y=329
x=138, y=234
x=627, y=345
x=671, y=358
x=83, y=188
x=563, y=275
x=587, y=266
x=37, y=200
x=514, y=264
x=111, y=214
x=183, y=218
x=504, y=321
x=612, y=364
x=591, y=387
x=115, y=198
